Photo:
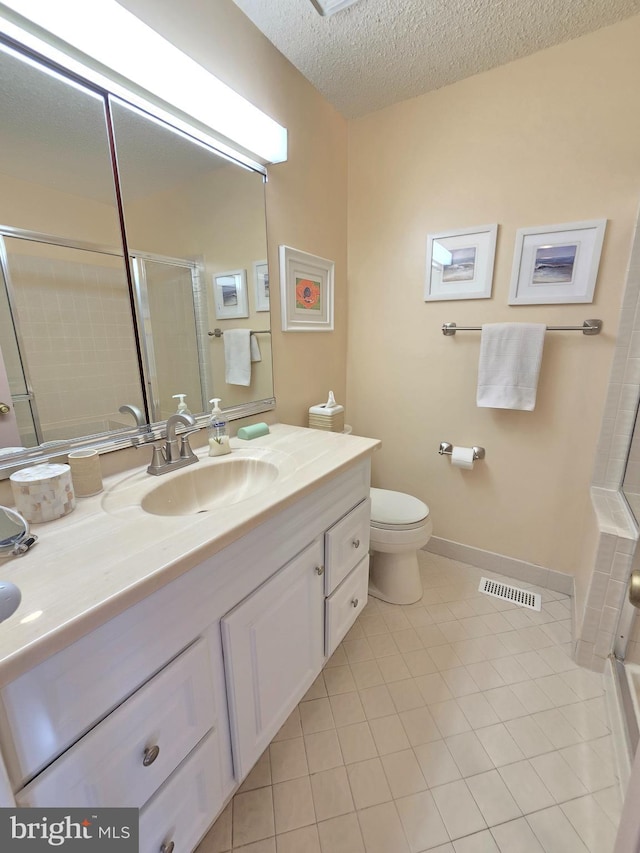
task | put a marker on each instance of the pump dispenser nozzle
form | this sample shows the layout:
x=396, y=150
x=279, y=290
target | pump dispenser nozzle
x=183, y=409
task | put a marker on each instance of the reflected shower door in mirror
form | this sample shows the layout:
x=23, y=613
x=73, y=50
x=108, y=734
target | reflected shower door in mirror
x=172, y=314
x=68, y=340
x=207, y=214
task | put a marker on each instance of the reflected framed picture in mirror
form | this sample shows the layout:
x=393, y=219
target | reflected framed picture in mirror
x=261, y=285
x=230, y=294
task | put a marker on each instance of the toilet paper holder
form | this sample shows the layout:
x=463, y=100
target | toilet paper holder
x=446, y=449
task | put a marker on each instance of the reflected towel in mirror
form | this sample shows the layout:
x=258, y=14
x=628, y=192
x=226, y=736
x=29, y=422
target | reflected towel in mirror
x=240, y=349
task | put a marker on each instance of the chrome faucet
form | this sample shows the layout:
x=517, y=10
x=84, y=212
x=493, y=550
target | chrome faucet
x=176, y=453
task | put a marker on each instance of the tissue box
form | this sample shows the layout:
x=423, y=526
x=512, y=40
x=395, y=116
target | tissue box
x=323, y=417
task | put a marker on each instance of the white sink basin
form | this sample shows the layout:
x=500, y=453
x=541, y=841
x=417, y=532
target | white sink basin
x=208, y=484
x=198, y=489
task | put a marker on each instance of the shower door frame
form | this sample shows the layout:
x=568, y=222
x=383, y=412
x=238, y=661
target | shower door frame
x=137, y=261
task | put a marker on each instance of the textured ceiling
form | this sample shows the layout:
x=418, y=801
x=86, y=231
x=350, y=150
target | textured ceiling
x=379, y=52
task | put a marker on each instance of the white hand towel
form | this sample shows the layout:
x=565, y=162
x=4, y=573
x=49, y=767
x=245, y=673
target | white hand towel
x=256, y=355
x=237, y=356
x=510, y=358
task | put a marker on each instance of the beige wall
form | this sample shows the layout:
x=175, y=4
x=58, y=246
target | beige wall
x=548, y=139
x=306, y=196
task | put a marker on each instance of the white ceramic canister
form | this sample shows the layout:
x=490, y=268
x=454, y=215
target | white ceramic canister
x=43, y=492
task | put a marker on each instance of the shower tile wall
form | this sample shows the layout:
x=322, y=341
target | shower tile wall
x=75, y=321
x=617, y=531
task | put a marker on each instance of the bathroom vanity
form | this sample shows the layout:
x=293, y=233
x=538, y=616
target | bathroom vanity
x=174, y=641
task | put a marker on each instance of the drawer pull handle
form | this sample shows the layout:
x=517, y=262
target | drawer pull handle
x=319, y=570
x=354, y=602
x=167, y=848
x=150, y=755
x=356, y=543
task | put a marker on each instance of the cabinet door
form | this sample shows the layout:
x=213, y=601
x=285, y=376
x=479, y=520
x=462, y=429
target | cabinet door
x=273, y=650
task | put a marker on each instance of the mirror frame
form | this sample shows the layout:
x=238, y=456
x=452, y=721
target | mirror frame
x=121, y=439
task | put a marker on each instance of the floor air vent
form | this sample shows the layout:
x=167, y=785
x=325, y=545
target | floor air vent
x=522, y=597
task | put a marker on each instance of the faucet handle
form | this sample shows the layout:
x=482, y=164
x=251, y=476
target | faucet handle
x=186, y=451
x=158, y=458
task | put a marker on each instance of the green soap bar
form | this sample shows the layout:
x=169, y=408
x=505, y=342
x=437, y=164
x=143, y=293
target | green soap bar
x=253, y=431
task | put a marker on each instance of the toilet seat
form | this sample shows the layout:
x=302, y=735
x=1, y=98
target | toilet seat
x=397, y=511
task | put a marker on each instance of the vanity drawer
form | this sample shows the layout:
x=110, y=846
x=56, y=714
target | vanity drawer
x=344, y=605
x=170, y=714
x=183, y=809
x=345, y=544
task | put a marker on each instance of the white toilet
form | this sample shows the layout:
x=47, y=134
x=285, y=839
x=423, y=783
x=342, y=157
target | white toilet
x=400, y=526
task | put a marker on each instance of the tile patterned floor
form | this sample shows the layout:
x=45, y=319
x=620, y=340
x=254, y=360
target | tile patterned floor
x=456, y=725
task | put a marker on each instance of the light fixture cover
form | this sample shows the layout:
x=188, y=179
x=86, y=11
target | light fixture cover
x=102, y=38
x=330, y=7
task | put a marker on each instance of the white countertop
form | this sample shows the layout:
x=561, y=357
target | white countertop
x=108, y=555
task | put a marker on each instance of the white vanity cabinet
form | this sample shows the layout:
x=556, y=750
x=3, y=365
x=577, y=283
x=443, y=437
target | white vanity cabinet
x=167, y=706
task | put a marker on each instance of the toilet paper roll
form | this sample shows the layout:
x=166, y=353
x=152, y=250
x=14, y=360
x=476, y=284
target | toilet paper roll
x=462, y=457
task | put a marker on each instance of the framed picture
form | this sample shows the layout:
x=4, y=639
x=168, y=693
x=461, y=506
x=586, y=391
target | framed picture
x=556, y=263
x=460, y=263
x=261, y=285
x=306, y=285
x=230, y=294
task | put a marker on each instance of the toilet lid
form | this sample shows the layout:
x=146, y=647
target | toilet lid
x=396, y=508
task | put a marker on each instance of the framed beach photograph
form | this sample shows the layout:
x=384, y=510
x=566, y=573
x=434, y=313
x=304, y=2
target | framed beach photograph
x=460, y=263
x=306, y=286
x=261, y=285
x=230, y=294
x=556, y=263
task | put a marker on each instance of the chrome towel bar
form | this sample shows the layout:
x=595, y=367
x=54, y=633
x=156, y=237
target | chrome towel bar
x=218, y=333
x=589, y=327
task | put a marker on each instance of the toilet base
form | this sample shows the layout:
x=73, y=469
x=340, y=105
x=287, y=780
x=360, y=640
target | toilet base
x=395, y=577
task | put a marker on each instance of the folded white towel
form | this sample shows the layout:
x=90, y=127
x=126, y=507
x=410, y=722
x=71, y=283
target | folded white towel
x=256, y=355
x=237, y=356
x=510, y=358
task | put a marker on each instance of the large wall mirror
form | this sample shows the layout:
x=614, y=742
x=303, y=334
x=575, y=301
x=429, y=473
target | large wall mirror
x=127, y=250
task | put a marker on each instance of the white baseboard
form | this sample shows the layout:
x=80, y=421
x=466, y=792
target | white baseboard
x=509, y=566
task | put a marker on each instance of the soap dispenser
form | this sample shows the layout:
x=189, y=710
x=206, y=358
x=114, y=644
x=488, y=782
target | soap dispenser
x=183, y=409
x=218, y=433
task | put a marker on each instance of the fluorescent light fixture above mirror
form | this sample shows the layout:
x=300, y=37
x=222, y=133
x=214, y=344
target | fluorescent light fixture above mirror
x=330, y=7
x=105, y=43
